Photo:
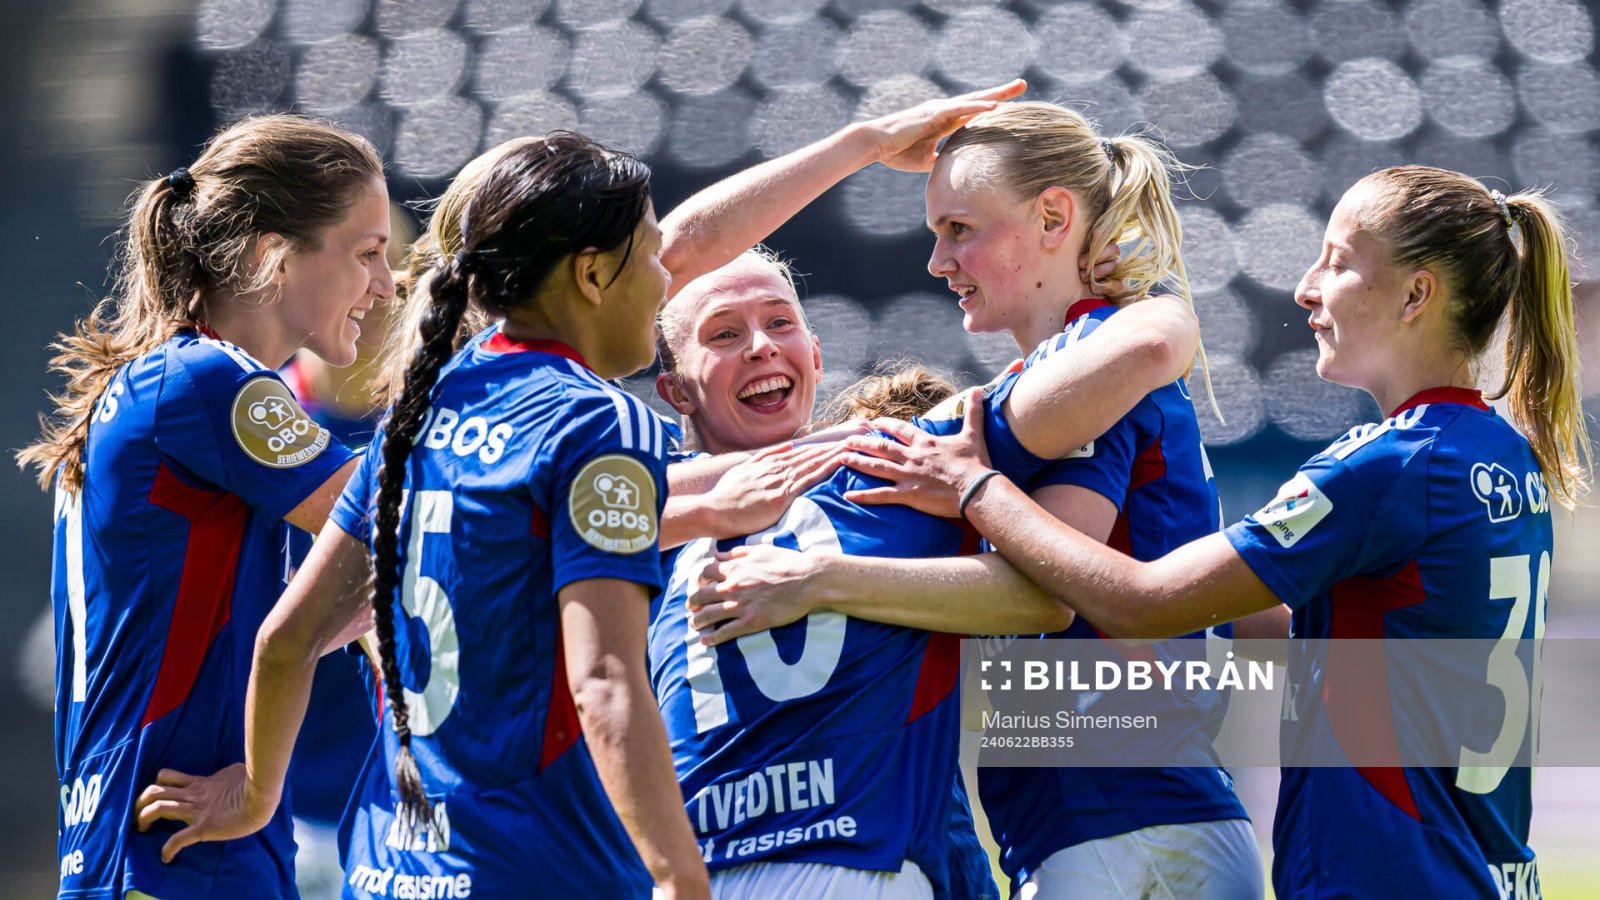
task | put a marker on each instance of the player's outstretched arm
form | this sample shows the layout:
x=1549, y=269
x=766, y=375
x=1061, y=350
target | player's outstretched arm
x=326, y=601
x=754, y=588
x=1067, y=400
x=749, y=496
x=1200, y=584
x=715, y=225
x=603, y=634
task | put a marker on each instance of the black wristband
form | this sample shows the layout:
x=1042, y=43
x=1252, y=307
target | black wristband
x=971, y=490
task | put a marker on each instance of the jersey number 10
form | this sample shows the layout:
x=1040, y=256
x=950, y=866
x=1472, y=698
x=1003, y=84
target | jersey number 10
x=775, y=679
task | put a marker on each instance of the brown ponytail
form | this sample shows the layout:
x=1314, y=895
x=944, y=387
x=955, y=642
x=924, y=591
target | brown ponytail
x=189, y=238
x=1493, y=258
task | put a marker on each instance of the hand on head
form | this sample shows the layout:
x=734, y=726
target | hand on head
x=908, y=140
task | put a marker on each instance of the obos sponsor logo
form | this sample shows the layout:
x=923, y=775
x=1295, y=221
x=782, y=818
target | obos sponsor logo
x=80, y=800
x=272, y=429
x=1297, y=509
x=1496, y=488
x=613, y=504
x=1538, y=493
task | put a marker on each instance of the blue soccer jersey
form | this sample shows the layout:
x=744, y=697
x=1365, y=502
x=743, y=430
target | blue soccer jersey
x=1432, y=524
x=530, y=474
x=1151, y=465
x=165, y=564
x=828, y=740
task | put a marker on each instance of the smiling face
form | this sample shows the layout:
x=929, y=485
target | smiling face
x=1357, y=298
x=747, y=366
x=324, y=291
x=632, y=300
x=1012, y=262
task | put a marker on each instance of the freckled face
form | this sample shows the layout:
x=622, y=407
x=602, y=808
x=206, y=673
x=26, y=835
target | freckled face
x=747, y=364
x=1355, y=295
x=986, y=245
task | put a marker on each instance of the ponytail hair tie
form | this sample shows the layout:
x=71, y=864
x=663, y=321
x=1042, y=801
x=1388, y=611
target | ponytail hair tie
x=181, y=182
x=1505, y=208
x=1110, y=148
x=466, y=262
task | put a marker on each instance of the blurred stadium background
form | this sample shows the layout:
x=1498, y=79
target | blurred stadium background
x=1283, y=103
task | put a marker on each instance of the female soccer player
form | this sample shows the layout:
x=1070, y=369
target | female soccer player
x=516, y=476
x=1016, y=197
x=1433, y=523
x=178, y=457
x=742, y=366
x=453, y=759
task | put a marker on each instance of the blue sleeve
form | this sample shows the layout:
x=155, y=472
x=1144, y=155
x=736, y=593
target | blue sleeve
x=353, y=511
x=1336, y=518
x=230, y=422
x=1006, y=453
x=674, y=433
x=1104, y=465
x=609, y=484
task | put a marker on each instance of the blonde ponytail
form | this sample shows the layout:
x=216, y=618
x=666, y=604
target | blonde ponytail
x=1142, y=218
x=1542, y=370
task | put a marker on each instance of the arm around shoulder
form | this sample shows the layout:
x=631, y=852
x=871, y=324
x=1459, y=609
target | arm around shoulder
x=1068, y=399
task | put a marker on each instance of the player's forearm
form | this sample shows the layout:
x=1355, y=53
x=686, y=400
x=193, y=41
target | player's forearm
x=275, y=707
x=1199, y=585
x=962, y=595
x=687, y=517
x=325, y=601
x=622, y=728
x=696, y=476
x=1068, y=399
x=715, y=225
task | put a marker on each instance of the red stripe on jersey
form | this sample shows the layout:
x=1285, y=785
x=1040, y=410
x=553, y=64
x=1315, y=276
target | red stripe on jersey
x=539, y=523
x=1084, y=307
x=971, y=539
x=561, y=726
x=1467, y=396
x=1146, y=652
x=205, y=589
x=499, y=343
x=941, y=664
x=1150, y=465
x=379, y=698
x=1355, y=686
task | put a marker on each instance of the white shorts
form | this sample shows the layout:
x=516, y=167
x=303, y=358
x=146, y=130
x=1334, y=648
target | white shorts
x=317, y=873
x=1195, y=861
x=764, y=881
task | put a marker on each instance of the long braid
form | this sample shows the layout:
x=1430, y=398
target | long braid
x=449, y=292
x=540, y=202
